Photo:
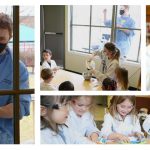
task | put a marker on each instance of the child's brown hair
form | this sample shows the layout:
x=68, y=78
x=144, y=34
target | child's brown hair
x=122, y=77
x=109, y=84
x=46, y=74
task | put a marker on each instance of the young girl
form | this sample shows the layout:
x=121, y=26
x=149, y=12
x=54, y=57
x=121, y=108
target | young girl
x=109, y=84
x=121, y=78
x=80, y=119
x=47, y=76
x=121, y=122
x=48, y=62
x=54, y=114
x=110, y=62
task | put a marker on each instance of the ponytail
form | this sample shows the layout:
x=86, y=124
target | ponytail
x=117, y=54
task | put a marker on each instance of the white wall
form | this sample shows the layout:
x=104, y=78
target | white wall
x=75, y=61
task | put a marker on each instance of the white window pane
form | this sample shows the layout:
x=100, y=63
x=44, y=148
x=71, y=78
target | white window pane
x=26, y=44
x=99, y=36
x=98, y=14
x=81, y=15
x=80, y=38
x=134, y=48
x=7, y=10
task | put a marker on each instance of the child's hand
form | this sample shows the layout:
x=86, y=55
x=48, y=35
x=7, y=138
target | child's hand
x=55, y=69
x=94, y=137
x=123, y=138
x=139, y=136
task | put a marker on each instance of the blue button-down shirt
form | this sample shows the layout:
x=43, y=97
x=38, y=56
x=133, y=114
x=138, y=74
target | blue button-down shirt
x=123, y=40
x=6, y=83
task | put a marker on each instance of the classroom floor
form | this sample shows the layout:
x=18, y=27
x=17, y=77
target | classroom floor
x=27, y=127
x=27, y=123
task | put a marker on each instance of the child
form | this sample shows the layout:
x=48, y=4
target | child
x=47, y=76
x=48, y=62
x=109, y=84
x=66, y=86
x=54, y=114
x=80, y=119
x=121, y=78
x=146, y=126
x=121, y=122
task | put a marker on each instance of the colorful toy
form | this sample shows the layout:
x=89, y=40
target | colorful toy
x=134, y=140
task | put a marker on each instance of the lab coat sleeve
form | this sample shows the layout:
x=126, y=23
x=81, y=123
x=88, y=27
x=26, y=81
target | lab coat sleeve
x=131, y=24
x=24, y=98
x=100, y=76
x=54, y=64
x=107, y=126
x=137, y=127
x=91, y=127
x=45, y=65
x=78, y=139
x=110, y=72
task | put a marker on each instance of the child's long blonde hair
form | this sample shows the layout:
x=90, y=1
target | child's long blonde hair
x=122, y=77
x=118, y=100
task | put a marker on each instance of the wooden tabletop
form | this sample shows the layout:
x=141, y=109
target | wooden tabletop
x=79, y=83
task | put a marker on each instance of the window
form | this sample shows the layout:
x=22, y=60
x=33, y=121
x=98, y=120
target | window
x=90, y=31
x=22, y=130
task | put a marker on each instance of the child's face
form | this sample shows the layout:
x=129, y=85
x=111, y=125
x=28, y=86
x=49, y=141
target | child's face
x=124, y=108
x=81, y=105
x=60, y=115
x=47, y=56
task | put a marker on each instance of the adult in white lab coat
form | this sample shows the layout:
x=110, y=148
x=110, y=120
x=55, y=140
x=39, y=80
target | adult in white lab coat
x=110, y=61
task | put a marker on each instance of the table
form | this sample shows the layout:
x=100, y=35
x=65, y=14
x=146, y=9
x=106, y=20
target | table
x=79, y=83
x=146, y=142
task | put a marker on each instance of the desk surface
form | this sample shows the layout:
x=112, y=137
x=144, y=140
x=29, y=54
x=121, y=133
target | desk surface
x=79, y=83
x=145, y=142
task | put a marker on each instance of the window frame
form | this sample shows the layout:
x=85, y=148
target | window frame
x=113, y=31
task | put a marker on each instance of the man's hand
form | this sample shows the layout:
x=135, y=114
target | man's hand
x=6, y=111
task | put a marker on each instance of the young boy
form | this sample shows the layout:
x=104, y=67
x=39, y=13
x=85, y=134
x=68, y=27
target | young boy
x=48, y=62
x=47, y=76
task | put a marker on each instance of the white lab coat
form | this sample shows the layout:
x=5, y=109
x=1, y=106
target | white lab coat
x=128, y=126
x=65, y=136
x=47, y=87
x=84, y=125
x=109, y=70
x=146, y=125
x=46, y=65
